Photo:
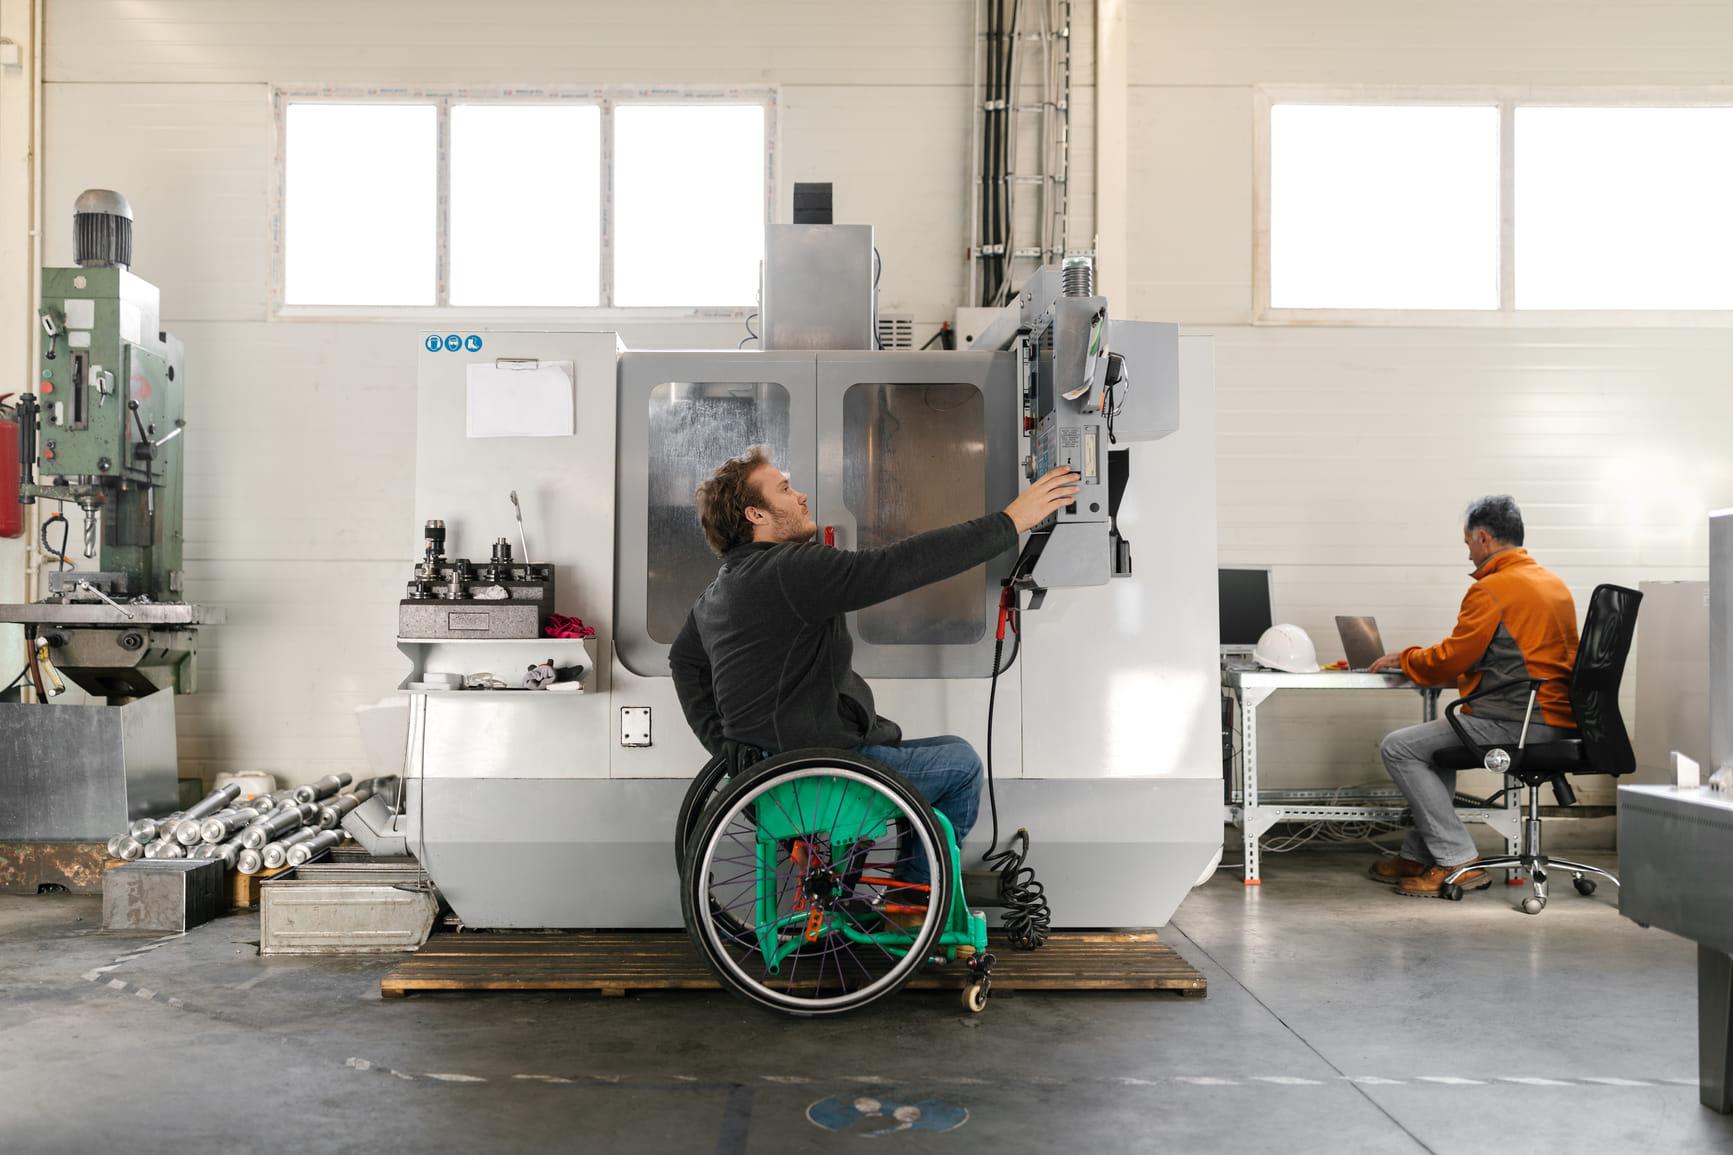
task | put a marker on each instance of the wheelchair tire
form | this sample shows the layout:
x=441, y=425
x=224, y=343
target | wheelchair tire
x=704, y=788
x=818, y=896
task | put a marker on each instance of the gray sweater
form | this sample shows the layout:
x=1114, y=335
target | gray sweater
x=764, y=658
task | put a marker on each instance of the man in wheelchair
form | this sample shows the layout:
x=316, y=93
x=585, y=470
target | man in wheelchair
x=764, y=660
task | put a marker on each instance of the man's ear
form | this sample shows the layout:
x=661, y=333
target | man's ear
x=758, y=520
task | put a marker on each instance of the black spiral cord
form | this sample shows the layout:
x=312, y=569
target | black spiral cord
x=1027, y=916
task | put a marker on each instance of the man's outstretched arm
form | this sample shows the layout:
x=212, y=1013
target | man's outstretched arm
x=690, y=666
x=821, y=583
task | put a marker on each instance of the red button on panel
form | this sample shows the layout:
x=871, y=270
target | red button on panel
x=48, y=386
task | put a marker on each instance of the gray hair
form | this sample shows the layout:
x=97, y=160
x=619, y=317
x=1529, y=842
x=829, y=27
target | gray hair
x=1498, y=516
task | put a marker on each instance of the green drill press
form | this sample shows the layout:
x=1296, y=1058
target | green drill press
x=101, y=440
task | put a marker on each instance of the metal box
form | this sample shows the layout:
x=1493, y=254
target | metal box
x=347, y=908
x=167, y=894
x=81, y=773
x=818, y=287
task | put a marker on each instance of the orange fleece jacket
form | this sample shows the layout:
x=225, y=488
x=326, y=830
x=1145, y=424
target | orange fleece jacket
x=1518, y=620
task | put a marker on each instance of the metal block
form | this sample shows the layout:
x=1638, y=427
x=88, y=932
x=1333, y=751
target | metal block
x=380, y=913
x=471, y=619
x=81, y=773
x=168, y=894
x=818, y=287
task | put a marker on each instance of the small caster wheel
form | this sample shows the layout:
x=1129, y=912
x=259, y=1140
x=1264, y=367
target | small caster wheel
x=1452, y=892
x=975, y=997
x=1533, y=905
x=1585, y=886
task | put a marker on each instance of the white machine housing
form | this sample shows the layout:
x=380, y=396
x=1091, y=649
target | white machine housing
x=541, y=809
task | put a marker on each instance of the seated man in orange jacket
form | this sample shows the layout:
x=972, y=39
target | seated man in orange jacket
x=1518, y=621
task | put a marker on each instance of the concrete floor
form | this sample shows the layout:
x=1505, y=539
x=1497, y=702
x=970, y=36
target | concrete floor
x=1340, y=1018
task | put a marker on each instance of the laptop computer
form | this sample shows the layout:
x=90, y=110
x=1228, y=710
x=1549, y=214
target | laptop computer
x=1360, y=641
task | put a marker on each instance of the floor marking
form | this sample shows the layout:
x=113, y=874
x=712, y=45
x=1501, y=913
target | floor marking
x=1452, y=1081
x=1287, y=1081
x=117, y=984
x=795, y=1079
x=1532, y=1081
x=1130, y=1082
x=533, y=1078
x=1611, y=1082
x=1681, y=1082
x=1207, y=1081
x=406, y=1078
x=1375, y=1081
x=448, y=1078
x=359, y=1064
x=144, y=994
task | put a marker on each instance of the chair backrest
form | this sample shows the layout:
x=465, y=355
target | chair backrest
x=1608, y=628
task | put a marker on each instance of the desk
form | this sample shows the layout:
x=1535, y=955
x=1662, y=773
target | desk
x=1674, y=850
x=1255, y=810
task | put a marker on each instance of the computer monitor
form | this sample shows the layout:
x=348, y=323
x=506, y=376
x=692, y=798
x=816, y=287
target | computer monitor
x=1243, y=595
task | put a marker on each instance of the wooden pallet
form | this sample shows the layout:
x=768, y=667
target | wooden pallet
x=612, y=963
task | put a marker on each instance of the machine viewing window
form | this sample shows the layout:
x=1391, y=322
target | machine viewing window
x=914, y=459
x=693, y=428
x=527, y=198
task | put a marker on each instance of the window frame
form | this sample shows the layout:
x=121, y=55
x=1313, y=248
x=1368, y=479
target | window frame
x=606, y=97
x=1507, y=99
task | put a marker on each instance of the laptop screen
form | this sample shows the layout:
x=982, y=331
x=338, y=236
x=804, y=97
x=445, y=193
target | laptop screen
x=1244, y=600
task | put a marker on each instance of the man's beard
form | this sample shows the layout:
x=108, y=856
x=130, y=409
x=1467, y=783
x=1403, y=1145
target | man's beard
x=793, y=527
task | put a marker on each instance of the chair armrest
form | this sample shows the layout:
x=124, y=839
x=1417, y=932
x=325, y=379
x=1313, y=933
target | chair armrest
x=1534, y=685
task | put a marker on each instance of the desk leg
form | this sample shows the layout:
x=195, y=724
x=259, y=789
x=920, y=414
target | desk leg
x=1715, y=1029
x=1429, y=703
x=1251, y=822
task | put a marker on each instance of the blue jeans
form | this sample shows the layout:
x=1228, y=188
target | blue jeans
x=947, y=772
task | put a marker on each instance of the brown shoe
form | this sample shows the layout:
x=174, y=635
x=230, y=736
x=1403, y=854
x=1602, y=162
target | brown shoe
x=1394, y=870
x=1431, y=883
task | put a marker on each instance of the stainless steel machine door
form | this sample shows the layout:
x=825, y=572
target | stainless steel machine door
x=909, y=442
x=680, y=416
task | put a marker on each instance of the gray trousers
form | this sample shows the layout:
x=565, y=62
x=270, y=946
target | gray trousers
x=1439, y=836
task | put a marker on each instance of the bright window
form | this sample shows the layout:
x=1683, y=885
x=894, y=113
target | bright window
x=526, y=204
x=360, y=194
x=553, y=198
x=1384, y=207
x=1624, y=208
x=689, y=203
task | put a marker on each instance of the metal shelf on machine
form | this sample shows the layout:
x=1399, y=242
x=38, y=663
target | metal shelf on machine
x=513, y=654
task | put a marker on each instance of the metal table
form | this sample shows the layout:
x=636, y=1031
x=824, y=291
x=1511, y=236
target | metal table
x=1255, y=810
x=1674, y=850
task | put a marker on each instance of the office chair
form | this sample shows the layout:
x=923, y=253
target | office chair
x=1602, y=744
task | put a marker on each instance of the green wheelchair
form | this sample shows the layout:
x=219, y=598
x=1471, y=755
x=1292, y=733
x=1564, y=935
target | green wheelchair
x=796, y=887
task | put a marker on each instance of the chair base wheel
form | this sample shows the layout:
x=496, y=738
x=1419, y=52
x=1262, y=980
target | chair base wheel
x=975, y=997
x=1453, y=893
x=1533, y=905
x=1585, y=886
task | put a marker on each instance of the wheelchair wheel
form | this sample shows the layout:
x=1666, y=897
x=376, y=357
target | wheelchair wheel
x=795, y=883
x=704, y=787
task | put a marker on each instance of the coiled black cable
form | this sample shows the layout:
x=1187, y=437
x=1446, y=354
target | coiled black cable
x=58, y=555
x=1027, y=915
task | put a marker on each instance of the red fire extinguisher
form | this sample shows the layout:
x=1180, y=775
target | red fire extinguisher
x=11, y=513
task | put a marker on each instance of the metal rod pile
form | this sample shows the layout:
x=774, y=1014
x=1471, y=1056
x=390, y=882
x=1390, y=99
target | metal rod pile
x=287, y=828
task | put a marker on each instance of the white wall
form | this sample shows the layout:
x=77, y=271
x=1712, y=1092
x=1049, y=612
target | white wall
x=300, y=444
x=300, y=439
x=1348, y=453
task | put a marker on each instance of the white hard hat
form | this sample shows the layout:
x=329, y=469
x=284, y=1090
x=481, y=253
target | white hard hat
x=1287, y=648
